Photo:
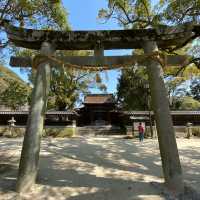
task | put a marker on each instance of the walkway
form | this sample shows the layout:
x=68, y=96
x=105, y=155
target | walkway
x=96, y=168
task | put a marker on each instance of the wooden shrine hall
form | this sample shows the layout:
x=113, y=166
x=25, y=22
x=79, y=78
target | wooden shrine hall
x=99, y=110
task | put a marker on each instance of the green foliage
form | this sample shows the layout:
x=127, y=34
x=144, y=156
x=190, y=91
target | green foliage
x=188, y=103
x=173, y=88
x=195, y=89
x=129, y=13
x=34, y=13
x=132, y=89
x=178, y=85
x=143, y=13
x=146, y=14
x=13, y=91
x=196, y=131
x=60, y=132
x=68, y=85
x=181, y=11
x=6, y=75
x=133, y=93
x=43, y=14
x=15, y=95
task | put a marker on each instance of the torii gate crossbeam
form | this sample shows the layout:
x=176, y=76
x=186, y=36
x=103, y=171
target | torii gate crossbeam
x=107, y=61
x=164, y=36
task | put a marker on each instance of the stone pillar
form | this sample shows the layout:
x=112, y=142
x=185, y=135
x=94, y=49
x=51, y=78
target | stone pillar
x=74, y=123
x=28, y=167
x=150, y=124
x=189, y=130
x=166, y=135
x=155, y=129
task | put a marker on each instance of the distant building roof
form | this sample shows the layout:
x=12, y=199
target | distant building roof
x=99, y=99
x=173, y=112
x=47, y=113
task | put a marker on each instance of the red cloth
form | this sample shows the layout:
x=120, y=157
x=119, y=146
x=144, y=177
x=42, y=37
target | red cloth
x=140, y=129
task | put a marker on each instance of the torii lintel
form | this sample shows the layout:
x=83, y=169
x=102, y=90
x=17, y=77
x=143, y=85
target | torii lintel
x=105, y=61
x=165, y=36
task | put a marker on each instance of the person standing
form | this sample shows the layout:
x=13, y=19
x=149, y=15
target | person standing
x=141, y=132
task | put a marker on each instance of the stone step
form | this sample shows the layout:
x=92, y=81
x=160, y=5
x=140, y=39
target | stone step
x=99, y=131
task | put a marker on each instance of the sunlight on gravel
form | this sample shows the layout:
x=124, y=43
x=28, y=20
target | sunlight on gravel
x=96, y=168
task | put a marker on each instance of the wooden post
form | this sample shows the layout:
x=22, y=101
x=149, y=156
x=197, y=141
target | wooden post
x=150, y=124
x=166, y=136
x=31, y=146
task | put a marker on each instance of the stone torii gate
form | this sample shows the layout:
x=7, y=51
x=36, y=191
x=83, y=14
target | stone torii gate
x=150, y=40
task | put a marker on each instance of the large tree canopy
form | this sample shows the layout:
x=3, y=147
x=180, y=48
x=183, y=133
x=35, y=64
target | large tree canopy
x=34, y=13
x=66, y=85
x=146, y=14
x=15, y=95
x=133, y=90
x=195, y=89
x=180, y=11
x=46, y=14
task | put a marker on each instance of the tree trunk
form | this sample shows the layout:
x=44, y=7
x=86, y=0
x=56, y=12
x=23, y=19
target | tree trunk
x=149, y=108
x=150, y=124
x=166, y=135
x=31, y=146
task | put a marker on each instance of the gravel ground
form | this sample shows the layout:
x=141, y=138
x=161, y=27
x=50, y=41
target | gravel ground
x=97, y=168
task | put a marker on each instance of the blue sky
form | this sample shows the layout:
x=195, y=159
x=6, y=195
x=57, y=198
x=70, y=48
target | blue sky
x=83, y=16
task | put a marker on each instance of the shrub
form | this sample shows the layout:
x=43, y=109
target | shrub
x=2, y=131
x=60, y=132
x=16, y=132
x=196, y=131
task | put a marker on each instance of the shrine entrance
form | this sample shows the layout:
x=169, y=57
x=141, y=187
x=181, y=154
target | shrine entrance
x=97, y=109
x=152, y=41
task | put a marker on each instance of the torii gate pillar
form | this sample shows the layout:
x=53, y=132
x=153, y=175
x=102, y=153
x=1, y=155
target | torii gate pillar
x=31, y=146
x=166, y=135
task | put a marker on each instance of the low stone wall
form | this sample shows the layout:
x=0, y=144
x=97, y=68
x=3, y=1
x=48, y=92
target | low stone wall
x=60, y=131
x=69, y=131
x=15, y=132
x=48, y=131
x=100, y=130
x=181, y=131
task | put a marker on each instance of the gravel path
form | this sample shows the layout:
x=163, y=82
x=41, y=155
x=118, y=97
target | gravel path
x=96, y=168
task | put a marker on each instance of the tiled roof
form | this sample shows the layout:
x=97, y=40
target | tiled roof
x=99, y=99
x=175, y=112
x=47, y=113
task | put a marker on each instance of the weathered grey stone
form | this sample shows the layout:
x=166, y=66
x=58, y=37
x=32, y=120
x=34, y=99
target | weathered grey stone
x=166, y=135
x=31, y=146
x=110, y=39
x=106, y=61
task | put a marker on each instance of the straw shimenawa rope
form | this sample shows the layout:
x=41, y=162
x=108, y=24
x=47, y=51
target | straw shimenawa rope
x=155, y=56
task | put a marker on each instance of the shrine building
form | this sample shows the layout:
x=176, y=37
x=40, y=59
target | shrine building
x=98, y=110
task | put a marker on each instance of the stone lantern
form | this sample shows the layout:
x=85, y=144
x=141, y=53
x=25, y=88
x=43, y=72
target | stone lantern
x=11, y=124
